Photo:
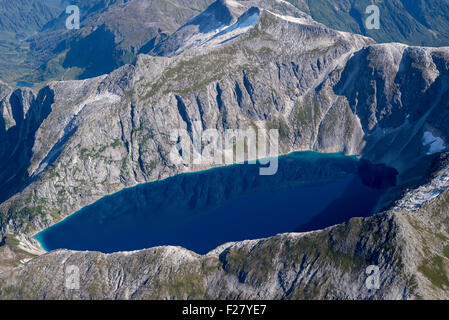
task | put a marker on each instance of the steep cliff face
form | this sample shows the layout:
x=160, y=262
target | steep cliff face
x=23, y=115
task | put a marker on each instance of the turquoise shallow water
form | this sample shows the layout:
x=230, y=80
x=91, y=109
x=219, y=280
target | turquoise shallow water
x=200, y=211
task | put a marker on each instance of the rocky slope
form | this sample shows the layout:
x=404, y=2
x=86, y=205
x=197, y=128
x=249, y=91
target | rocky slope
x=72, y=142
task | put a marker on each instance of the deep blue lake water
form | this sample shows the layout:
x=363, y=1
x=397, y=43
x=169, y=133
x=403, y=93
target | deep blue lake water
x=200, y=211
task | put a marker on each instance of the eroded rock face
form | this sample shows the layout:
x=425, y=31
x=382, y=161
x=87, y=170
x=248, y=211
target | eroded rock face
x=324, y=90
x=413, y=22
x=410, y=251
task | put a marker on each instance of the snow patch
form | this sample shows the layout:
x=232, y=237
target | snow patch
x=224, y=33
x=434, y=144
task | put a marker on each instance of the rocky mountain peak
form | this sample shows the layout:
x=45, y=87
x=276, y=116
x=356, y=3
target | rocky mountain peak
x=239, y=65
x=221, y=21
